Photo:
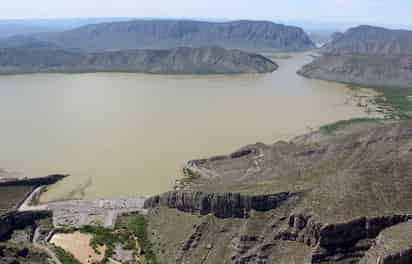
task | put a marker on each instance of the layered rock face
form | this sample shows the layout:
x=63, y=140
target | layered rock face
x=353, y=184
x=166, y=34
x=175, y=61
x=223, y=205
x=366, y=55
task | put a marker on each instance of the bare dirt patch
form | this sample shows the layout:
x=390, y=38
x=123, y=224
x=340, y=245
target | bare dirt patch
x=78, y=244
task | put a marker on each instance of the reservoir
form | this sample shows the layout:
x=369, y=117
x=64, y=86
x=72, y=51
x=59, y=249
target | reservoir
x=121, y=135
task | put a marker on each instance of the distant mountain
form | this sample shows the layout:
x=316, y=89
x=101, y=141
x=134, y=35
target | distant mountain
x=174, y=61
x=165, y=34
x=24, y=27
x=29, y=42
x=366, y=55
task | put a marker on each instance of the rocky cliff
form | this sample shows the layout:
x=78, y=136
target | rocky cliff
x=366, y=55
x=223, y=205
x=174, y=61
x=166, y=34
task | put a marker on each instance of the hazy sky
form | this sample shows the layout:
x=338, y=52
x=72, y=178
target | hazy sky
x=362, y=11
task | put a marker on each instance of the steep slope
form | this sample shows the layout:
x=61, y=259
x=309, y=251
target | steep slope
x=366, y=55
x=340, y=187
x=166, y=34
x=362, y=69
x=372, y=40
x=175, y=61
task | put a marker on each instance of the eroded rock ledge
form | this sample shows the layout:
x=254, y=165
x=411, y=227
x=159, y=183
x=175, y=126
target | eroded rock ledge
x=339, y=238
x=222, y=205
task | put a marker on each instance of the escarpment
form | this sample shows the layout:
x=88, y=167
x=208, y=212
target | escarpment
x=223, y=205
x=169, y=34
x=341, y=205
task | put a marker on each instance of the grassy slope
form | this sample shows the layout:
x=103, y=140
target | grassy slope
x=399, y=99
x=396, y=101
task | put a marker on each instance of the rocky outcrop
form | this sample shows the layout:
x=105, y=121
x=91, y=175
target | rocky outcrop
x=392, y=246
x=174, y=61
x=314, y=233
x=222, y=205
x=349, y=240
x=365, y=55
x=19, y=220
x=167, y=34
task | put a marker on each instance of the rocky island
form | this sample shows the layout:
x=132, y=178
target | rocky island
x=366, y=55
x=183, y=60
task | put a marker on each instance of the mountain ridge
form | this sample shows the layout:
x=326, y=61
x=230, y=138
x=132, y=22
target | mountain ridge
x=365, y=55
x=166, y=34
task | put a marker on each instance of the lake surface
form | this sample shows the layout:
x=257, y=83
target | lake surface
x=129, y=134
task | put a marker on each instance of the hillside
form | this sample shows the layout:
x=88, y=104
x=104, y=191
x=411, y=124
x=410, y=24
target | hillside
x=324, y=197
x=362, y=69
x=166, y=34
x=174, y=61
x=366, y=55
x=372, y=40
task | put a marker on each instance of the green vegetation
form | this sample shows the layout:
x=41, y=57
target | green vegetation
x=103, y=237
x=137, y=225
x=129, y=230
x=65, y=257
x=331, y=128
x=398, y=99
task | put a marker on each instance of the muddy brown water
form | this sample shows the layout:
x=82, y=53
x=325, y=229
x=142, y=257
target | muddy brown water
x=129, y=134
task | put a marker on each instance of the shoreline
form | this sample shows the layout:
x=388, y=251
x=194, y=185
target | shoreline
x=393, y=101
